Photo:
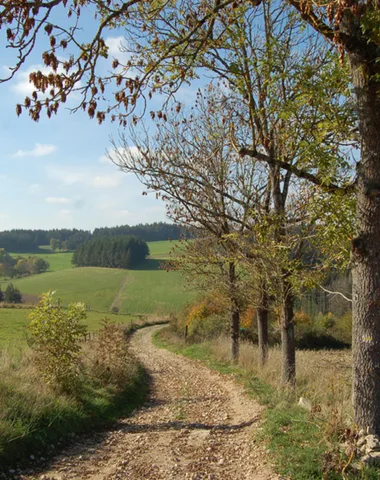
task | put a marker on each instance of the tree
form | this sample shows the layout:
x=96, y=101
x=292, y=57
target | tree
x=111, y=252
x=22, y=267
x=12, y=294
x=191, y=164
x=37, y=265
x=53, y=244
x=55, y=334
x=168, y=40
x=1, y=295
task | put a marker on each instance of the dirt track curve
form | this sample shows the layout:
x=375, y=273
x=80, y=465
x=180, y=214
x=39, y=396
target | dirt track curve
x=196, y=425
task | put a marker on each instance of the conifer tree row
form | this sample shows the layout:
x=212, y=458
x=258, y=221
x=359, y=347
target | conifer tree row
x=111, y=252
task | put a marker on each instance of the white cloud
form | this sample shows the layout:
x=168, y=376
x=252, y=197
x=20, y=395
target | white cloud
x=57, y=200
x=112, y=156
x=64, y=211
x=3, y=216
x=116, y=46
x=106, y=181
x=21, y=83
x=39, y=150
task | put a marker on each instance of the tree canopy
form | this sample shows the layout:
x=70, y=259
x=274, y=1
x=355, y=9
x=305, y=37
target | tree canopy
x=112, y=252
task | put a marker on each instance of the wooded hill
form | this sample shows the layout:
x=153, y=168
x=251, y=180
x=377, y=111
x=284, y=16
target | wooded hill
x=30, y=240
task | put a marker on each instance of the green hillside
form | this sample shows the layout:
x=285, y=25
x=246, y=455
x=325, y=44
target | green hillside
x=56, y=260
x=148, y=289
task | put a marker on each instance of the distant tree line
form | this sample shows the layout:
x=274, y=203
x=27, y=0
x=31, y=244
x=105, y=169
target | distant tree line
x=29, y=240
x=150, y=232
x=20, y=266
x=69, y=239
x=112, y=252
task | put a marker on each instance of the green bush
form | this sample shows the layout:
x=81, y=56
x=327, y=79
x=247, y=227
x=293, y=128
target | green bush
x=55, y=335
x=325, y=322
x=343, y=328
x=12, y=294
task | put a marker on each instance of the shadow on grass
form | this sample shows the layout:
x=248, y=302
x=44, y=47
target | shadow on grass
x=96, y=412
x=152, y=264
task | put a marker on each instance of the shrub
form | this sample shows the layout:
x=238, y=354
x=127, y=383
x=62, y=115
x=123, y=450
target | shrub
x=302, y=318
x=112, y=360
x=12, y=294
x=204, y=319
x=55, y=335
x=247, y=317
x=1, y=295
x=326, y=322
x=343, y=327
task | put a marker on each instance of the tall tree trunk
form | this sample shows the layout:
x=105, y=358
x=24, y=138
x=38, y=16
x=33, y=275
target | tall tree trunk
x=287, y=325
x=235, y=335
x=235, y=315
x=262, y=329
x=366, y=247
x=287, y=339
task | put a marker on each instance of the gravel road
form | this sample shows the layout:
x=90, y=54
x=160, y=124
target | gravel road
x=196, y=424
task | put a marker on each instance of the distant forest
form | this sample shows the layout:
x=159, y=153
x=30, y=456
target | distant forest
x=30, y=240
x=112, y=252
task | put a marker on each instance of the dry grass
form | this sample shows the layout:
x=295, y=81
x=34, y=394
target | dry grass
x=33, y=415
x=323, y=377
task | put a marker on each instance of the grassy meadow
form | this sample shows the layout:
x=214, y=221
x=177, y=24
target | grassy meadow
x=14, y=321
x=57, y=260
x=146, y=290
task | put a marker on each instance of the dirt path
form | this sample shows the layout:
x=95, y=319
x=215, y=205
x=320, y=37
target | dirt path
x=117, y=300
x=196, y=425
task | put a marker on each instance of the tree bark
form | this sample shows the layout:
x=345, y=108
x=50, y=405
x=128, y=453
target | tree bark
x=235, y=335
x=262, y=329
x=366, y=246
x=287, y=325
x=287, y=340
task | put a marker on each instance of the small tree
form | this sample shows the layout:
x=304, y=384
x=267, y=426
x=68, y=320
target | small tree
x=1, y=295
x=54, y=244
x=55, y=334
x=12, y=294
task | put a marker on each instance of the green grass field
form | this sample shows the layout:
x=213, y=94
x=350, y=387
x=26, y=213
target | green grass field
x=147, y=289
x=57, y=261
x=160, y=250
x=14, y=321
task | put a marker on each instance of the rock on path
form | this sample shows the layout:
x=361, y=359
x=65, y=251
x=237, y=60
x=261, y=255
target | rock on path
x=196, y=425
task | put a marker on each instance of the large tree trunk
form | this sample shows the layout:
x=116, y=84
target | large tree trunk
x=366, y=247
x=287, y=325
x=262, y=329
x=287, y=339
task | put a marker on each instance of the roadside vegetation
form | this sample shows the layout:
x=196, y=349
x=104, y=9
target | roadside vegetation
x=302, y=440
x=64, y=383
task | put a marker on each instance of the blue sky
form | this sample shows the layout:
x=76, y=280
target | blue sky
x=54, y=173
